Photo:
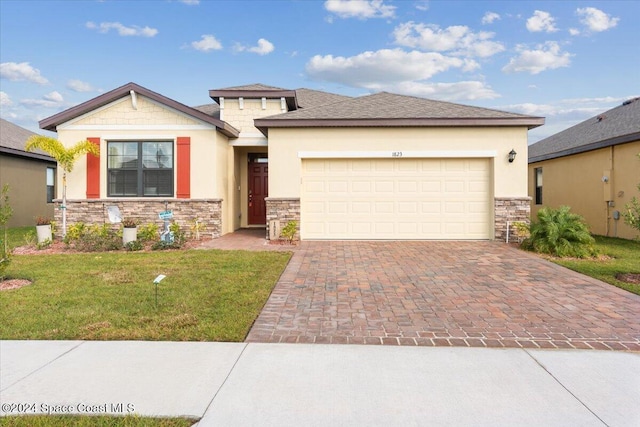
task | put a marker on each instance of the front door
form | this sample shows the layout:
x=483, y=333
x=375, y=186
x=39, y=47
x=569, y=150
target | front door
x=258, y=190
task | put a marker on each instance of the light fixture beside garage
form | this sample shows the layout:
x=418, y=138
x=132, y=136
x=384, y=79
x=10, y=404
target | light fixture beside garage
x=512, y=155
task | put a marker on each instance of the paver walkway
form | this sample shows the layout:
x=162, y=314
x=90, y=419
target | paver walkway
x=477, y=294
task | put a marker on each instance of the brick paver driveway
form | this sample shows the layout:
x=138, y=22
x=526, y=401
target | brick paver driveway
x=479, y=294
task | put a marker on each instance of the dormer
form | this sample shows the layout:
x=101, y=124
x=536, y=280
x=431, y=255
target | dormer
x=240, y=105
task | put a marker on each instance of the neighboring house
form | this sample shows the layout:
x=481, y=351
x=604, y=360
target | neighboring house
x=382, y=166
x=30, y=176
x=593, y=167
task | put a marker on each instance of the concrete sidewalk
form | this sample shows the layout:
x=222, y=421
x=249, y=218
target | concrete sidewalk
x=240, y=384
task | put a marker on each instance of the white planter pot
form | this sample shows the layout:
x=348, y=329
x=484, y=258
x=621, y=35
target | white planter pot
x=129, y=235
x=44, y=233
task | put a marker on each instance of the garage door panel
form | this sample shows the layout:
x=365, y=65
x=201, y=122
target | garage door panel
x=395, y=199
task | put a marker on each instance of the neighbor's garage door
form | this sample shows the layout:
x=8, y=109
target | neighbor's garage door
x=395, y=199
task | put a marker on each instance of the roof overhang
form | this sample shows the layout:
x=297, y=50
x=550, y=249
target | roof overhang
x=530, y=122
x=288, y=95
x=51, y=123
x=588, y=147
x=27, y=154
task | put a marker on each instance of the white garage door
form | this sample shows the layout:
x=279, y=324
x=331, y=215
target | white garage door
x=395, y=199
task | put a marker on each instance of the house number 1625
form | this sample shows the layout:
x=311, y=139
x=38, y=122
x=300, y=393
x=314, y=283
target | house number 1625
x=396, y=154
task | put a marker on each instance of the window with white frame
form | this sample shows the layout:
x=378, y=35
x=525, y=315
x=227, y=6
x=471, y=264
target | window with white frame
x=538, y=180
x=51, y=184
x=140, y=168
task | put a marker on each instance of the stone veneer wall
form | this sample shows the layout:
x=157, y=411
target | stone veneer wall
x=513, y=209
x=94, y=211
x=285, y=210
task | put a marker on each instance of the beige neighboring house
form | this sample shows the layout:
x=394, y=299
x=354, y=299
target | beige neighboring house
x=30, y=176
x=593, y=167
x=382, y=166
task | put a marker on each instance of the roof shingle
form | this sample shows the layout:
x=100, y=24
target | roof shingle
x=616, y=126
x=13, y=139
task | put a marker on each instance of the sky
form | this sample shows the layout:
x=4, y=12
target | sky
x=563, y=60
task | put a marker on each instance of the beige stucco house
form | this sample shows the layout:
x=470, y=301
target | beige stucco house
x=29, y=175
x=593, y=167
x=382, y=166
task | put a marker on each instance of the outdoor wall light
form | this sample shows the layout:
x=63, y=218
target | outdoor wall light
x=512, y=155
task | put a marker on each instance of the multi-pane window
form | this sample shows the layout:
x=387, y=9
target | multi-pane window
x=137, y=169
x=51, y=184
x=538, y=180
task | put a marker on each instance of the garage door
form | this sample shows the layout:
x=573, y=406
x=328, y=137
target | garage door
x=395, y=199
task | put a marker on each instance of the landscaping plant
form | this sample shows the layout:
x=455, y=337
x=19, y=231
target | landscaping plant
x=631, y=212
x=560, y=233
x=5, y=213
x=289, y=230
x=66, y=158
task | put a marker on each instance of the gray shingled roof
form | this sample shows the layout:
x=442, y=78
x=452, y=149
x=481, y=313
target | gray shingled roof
x=309, y=98
x=13, y=139
x=387, y=109
x=384, y=105
x=616, y=126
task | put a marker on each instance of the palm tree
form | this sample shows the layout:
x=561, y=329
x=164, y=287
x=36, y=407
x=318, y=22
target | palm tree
x=66, y=158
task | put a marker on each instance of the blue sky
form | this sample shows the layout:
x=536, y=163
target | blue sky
x=564, y=60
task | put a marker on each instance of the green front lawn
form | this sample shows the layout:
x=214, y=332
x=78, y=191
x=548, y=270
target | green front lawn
x=621, y=256
x=207, y=295
x=92, y=421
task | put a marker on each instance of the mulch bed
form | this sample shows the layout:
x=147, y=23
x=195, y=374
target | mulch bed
x=629, y=278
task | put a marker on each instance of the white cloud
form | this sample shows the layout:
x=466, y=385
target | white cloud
x=134, y=30
x=384, y=66
x=79, y=86
x=190, y=2
x=595, y=19
x=574, y=31
x=422, y=5
x=361, y=9
x=264, y=47
x=490, y=18
x=50, y=100
x=21, y=72
x=207, y=43
x=545, y=57
x=541, y=21
x=458, y=91
x=5, y=101
x=458, y=39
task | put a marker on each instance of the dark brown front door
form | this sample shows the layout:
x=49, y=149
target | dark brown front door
x=258, y=190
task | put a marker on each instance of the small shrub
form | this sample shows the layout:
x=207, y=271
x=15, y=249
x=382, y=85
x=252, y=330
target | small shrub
x=197, y=227
x=6, y=211
x=179, y=236
x=289, y=230
x=92, y=238
x=560, y=233
x=30, y=238
x=161, y=245
x=148, y=232
x=44, y=244
x=134, y=245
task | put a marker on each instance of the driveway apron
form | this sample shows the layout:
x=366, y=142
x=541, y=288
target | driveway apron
x=435, y=293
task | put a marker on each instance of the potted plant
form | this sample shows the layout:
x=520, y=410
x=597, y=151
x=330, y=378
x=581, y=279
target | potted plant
x=129, y=230
x=43, y=229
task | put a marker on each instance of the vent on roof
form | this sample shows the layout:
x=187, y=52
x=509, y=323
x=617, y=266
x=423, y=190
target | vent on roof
x=601, y=117
x=630, y=101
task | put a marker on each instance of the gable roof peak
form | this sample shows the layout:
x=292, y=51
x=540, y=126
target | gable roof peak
x=51, y=123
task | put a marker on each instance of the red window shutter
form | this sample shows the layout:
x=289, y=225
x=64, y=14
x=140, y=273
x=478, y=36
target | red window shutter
x=93, y=172
x=184, y=167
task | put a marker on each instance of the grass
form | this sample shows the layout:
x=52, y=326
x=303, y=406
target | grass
x=92, y=421
x=16, y=235
x=208, y=295
x=623, y=256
